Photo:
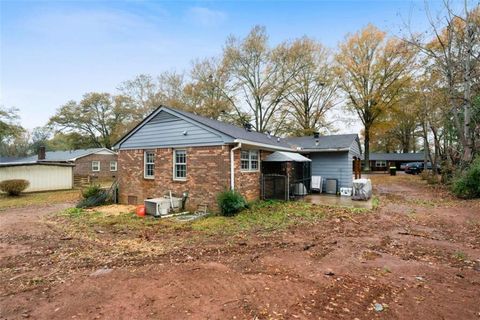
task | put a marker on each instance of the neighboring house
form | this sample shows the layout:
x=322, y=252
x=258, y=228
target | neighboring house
x=382, y=161
x=55, y=170
x=332, y=156
x=99, y=163
x=177, y=151
x=42, y=176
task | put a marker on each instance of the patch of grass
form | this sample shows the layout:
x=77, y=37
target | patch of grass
x=460, y=255
x=268, y=216
x=260, y=217
x=375, y=202
x=38, y=198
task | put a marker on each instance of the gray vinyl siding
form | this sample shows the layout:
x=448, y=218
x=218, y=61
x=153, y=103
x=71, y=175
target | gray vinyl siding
x=166, y=130
x=355, y=150
x=335, y=165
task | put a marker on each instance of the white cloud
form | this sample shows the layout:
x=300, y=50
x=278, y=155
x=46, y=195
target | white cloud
x=206, y=17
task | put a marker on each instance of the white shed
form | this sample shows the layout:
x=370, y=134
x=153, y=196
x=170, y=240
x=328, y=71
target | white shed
x=42, y=176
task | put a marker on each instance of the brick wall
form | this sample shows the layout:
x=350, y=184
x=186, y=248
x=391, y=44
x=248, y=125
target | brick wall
x=83, y=166
x=248, y=183
x=208, y=173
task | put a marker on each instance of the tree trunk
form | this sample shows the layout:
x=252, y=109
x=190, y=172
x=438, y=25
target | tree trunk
x=467, y=148
x=367, y=150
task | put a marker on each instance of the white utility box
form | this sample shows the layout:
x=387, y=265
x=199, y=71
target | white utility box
x=362, y=189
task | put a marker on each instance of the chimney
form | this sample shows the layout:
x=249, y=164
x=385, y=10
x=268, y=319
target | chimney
x=316, y=134
x=247, y=126
x=41, y=153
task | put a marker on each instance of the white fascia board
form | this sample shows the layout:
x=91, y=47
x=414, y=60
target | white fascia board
x=263, y=145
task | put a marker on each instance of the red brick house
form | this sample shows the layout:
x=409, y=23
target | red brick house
x=177, y=151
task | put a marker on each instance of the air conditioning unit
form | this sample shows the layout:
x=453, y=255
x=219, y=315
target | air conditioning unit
x=331, y=186
x=300, y=189
x=157, y=207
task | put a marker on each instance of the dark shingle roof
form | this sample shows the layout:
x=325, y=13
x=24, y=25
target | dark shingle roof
x=57, y=156
x=234, y=131
x=397, y=156
x=333, y=142
x=8, y=159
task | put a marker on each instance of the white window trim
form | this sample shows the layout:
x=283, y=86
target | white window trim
x=116, y=166
x=96, y=161
x=383, y=162
x=145, y=165
x=250, y=151
x=175, y=178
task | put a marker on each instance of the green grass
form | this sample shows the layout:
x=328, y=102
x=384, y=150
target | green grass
x=459, y=255
x=38, y=198
x=264, y=216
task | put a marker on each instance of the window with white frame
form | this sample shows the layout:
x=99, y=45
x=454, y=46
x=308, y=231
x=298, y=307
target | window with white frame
x=249, y=160
x=113, y=165
x=95, y=166
x=380, y=163
x=149, y=161
x=180, y=165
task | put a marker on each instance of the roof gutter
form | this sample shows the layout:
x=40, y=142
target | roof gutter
x=324, y=150
x=232, y=166
x=263, y=145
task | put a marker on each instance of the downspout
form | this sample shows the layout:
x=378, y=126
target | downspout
x=232, y=166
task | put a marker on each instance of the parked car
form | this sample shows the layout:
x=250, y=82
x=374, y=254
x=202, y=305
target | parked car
x=402, y=166
x=413, y=167
x=418, y=167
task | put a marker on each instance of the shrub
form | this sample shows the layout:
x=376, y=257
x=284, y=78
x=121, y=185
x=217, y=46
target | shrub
x=230, y=202
x=467, y=183
x=93, y=196
x=91, y=191
x=93, y=201
x=14, y=187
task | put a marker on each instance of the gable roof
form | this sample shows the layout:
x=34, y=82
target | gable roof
x=419, y=156
x=339, y=142
x=59, y=156
x=237, y=134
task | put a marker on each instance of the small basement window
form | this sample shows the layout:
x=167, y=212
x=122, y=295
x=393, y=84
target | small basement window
x=113, y=165
x=249, y=160
x=380, y=163
x=95, y=166
x=180, y=165
x=149, y=162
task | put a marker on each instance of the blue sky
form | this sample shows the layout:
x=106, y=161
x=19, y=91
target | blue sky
x=55, y=51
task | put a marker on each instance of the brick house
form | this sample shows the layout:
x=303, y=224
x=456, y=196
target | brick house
x=174, y=150
x=181, y=152
x=97, y=163
x=382, y=161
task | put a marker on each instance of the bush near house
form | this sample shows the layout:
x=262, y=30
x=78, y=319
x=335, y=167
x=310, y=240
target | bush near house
x=467, y=183
x=230, y=202
x=93, y=196
x=14, y=187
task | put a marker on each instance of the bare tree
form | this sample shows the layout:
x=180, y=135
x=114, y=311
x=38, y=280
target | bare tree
x=453, y=45
x=313, y=90
x=259, y=77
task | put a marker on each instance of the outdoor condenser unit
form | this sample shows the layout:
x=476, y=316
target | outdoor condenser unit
x=157, y=207
x=331, y=186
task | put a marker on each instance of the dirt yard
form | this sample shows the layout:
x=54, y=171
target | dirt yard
x=416, y=256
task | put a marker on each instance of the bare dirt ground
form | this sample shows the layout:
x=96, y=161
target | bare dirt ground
x=415, y=257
